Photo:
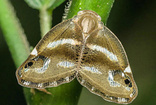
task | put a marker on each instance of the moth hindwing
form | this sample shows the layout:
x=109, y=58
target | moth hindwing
x=84, y=48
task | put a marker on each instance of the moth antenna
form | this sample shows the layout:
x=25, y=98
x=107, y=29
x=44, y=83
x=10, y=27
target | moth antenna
x=66, y=10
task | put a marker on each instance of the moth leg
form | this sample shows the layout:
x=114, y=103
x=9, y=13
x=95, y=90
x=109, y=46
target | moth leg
x=32, y=90
x=44, y=90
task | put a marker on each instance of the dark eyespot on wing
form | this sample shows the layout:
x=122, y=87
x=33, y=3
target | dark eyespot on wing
x=127, y=81
x=26, y=66
x=30, y=63
x=130, y=85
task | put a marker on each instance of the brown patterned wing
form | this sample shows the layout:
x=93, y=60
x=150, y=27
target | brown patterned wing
x=105, y=70
x=53, y=60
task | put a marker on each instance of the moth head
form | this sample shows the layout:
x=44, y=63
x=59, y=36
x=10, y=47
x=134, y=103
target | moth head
x=88, y=21
x=88, y=12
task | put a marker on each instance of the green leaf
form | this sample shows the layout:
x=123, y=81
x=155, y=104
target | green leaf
x=56, y=4
x=45, y=8
x=38, y=4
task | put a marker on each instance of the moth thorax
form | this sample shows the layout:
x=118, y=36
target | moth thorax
x=88, y=24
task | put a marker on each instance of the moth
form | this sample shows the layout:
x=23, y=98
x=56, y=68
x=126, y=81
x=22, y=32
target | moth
x=83, y=48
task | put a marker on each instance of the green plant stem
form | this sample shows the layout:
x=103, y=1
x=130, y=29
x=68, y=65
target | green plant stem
x=13, y=33
x=45, y=20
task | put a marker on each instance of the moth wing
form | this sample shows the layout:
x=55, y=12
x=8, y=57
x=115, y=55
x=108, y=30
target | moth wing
x=105, y=68
x=53, y=60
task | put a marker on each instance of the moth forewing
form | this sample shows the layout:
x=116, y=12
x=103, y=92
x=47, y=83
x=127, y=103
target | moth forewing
x=84, y=48
x=53, y=59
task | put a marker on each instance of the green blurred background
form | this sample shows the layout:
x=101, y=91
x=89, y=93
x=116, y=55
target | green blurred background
x=133, y=22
